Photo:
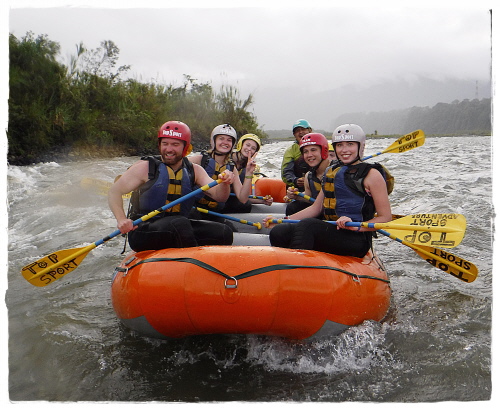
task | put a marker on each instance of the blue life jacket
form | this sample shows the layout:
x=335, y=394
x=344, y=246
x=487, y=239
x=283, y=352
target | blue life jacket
x=314, y=183
x=345, y=194
x=163, y=187
x=213, y=169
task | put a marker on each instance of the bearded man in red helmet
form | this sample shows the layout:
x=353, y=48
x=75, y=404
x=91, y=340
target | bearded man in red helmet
x=159, y=180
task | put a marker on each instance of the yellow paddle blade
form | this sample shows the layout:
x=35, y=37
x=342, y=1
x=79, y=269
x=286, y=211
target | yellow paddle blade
x=449, y=263
x=403, y=144
x=99, y=187
x=54, y=266
x=407, y=142
x=437, y=230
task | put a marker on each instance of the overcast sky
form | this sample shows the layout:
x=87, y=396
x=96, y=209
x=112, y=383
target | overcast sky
x=268, y=47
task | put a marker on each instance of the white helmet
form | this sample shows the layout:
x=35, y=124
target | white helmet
x=350, y=132
x=223, y=130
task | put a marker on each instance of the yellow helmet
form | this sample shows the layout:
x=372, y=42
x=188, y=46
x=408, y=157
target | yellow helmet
x=330, y=147
x=250, y=136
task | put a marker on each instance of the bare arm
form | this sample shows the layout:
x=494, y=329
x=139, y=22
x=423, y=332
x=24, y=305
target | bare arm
x=375, y=186
x=134, y=177
x=196, y=159
x=242, y=191
x=312, y=211
x=220, y=192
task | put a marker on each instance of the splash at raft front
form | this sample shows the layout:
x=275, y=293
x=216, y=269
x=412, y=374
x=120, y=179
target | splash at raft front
x=295, y=294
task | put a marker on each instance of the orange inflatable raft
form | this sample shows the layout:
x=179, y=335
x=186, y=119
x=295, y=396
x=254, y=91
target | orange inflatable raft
x=296, y=294
x=270, y=186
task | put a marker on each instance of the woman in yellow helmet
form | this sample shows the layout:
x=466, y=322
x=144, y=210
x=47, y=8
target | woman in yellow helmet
x=331, y=152
x=247, y=147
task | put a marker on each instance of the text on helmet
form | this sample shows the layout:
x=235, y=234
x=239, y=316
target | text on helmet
x=343, y=136
x=171, y=133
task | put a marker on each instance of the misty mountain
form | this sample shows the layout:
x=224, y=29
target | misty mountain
x=457, y=118
x=467, y=117
x=325, y=110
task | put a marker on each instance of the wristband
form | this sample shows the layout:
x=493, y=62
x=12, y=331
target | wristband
x=249, y=177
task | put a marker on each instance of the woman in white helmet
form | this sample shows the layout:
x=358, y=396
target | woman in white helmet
x=351, y=191
x=218, y=159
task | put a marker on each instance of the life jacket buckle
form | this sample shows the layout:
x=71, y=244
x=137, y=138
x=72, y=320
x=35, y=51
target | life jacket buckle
x=356, y=279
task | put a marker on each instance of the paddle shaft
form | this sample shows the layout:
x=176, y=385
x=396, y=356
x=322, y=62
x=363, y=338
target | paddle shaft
x=251, y=196
x=229, y=217
x=69, y=262
x=377, y=226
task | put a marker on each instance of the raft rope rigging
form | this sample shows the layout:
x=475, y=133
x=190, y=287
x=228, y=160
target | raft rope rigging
x=253, y=272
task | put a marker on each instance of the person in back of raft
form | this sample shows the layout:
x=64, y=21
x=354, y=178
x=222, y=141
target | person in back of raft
x=157, y=182
x=293, y=166
x=339, y=197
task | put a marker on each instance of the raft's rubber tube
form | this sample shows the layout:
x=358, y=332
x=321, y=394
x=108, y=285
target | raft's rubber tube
x=175, y=293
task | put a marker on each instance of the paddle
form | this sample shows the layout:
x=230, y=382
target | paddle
x=403, y=144
x=454, y=265
x=305, y=196
x=54, y=266
x=439, y=230
x=254, y=224
x=101, y=187
x=255, y=196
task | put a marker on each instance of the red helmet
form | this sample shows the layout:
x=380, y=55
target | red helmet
x=177, y=130
x=315, y=139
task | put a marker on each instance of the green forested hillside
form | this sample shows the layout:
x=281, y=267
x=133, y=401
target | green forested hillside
x=86, y=108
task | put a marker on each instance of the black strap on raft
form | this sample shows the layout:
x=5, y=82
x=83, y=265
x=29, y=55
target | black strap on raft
x=253, y=272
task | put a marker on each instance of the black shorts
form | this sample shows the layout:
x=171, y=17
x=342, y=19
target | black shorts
x=318, y=235
x=177, y=231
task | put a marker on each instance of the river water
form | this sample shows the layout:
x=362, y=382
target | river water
x=66, y=344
